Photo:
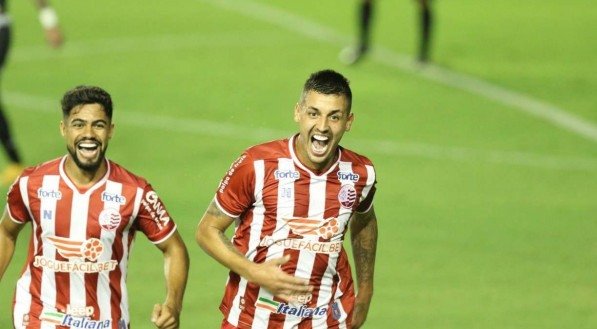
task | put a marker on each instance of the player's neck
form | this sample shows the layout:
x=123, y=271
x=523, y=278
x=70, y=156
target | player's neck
x=82, y=178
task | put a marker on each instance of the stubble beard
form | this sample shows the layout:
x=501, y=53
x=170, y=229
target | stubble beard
x=87, y=167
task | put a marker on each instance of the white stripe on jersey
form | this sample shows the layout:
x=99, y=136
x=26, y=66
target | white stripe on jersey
x=47, y=218
x=306, y=260
x=136, y=206
x=23, y=191
x=78, y=232
x=256, y=226
x=22, y=298
x=107, y=237
x=285, y=210
x=22, y=295
x=367, y=188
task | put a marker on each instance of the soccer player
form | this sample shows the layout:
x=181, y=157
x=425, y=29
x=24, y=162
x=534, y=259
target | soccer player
x=351, y=55
x=84, y=212
x=49, y=21
x=292, y=201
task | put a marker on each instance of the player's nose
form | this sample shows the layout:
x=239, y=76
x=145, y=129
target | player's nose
x=322, y=124
x=88, y=131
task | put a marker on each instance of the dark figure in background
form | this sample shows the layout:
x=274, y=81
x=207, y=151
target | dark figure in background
x=49, y=21
x=351, y=55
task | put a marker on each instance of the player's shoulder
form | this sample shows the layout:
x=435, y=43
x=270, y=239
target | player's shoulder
x=51, y=167
x=354, y=157
x=269, y=150
x=120, y=174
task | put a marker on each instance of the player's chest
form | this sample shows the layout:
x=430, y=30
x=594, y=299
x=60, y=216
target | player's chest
x=66, y=212
x=309, y=194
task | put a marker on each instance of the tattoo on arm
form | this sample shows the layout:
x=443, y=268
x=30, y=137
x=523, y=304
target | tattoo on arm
x=213, y=210
x=364, y=246
x=228, y=244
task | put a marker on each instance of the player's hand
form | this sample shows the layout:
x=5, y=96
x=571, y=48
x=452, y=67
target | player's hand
x=54, y=36
x=361, y=308
x=281, y=284
x=165, y=316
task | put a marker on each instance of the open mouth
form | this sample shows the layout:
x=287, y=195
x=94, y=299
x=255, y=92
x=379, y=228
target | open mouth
x=88, y=149
x=319, y=144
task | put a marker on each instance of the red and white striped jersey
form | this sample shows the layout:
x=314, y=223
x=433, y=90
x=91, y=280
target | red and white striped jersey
x=283, y=208
x=76, y=268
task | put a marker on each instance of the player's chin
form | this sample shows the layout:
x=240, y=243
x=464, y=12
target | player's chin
x=320, y=159
x=89, y=164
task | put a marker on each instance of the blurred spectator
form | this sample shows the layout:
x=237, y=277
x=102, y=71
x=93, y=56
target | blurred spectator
x=49, y=22
x=352, y=54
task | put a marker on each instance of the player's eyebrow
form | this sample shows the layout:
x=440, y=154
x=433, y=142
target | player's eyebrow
x=79, y=120
x=318, y=110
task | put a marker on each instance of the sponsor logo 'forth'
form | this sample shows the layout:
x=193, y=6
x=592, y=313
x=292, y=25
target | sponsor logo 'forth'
x=287, y=174
x=113, y=197
x=48, y=194
x=344, y=176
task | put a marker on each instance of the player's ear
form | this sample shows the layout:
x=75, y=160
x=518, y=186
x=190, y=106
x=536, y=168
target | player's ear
x=349, y=121
x=62, y=128
x=111, y=132
x=297, y=112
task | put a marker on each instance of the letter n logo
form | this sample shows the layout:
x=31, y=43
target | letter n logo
x=47, y=214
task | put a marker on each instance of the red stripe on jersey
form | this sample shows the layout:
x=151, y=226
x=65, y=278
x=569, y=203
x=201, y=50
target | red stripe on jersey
x=116, y=296
x=62, y=229
x=93, y=230
x=346, y=286
x=36, y=272
x=230, y=292
x=240, y=242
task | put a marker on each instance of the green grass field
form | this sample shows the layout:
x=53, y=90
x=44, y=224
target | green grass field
x=487, y=213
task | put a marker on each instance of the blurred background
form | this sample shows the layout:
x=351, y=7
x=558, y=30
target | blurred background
x=486, y=157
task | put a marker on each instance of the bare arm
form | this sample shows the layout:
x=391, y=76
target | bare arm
x=176, y=269
x=49, y=21
x=364, y=244
x=9, y=232
x=210, y=236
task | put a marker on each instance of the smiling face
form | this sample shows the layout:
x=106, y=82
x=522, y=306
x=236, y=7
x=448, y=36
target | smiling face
x=87, y=130
x=322, y=120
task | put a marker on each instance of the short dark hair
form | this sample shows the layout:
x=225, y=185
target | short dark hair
x=328, y=82
x=81, y=95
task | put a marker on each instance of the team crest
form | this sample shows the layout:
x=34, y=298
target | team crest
x=347, y=196
x=109, y=219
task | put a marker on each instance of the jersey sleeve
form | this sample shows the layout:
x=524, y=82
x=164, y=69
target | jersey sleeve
x=153, y=219
x=235, y=193
x=369, y=190
x=366, y=204
x=17, y=209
